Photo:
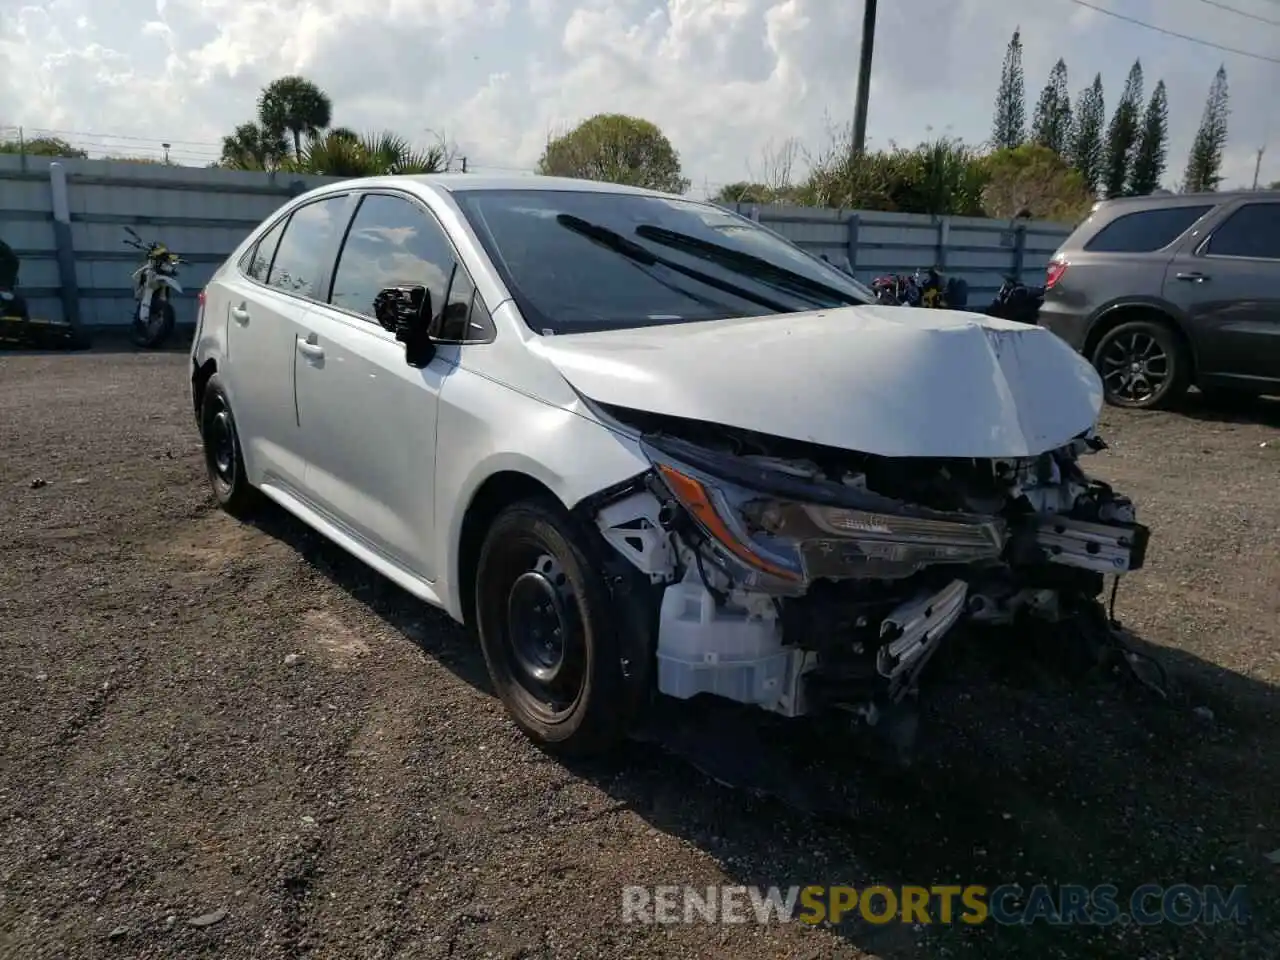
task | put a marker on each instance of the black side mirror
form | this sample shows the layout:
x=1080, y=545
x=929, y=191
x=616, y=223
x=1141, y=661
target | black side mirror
x=406, y=312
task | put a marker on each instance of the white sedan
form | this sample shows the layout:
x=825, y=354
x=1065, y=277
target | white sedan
x=642, y=444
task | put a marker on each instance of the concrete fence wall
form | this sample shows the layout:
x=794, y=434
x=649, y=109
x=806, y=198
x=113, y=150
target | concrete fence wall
x=981, y=252
x=65, y=219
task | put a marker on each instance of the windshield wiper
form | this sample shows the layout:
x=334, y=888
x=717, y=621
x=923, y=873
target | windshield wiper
x=742, y=262
x=635, y=252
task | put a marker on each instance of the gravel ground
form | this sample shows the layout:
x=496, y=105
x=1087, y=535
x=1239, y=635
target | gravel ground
x=232, y=739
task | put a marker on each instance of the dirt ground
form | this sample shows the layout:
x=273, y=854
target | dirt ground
x=166, y=758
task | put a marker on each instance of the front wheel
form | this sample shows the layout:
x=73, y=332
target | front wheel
x=570, y=669
x=160, y=322
x=1143, y=365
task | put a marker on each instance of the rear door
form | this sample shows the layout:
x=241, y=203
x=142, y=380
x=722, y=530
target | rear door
x=266, y=300
x=1227, y=281
x=368, y=419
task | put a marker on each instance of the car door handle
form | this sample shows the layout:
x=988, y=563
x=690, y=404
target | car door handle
x=1192, y=277
x=310, y=349
x=240, y=315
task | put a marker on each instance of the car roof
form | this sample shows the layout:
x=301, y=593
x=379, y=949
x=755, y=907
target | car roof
x=1181, y=199
x=455, y=182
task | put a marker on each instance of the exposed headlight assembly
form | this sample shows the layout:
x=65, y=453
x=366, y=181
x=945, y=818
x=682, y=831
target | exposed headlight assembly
x=793, y=542
x=717, y=508
x=837, y=541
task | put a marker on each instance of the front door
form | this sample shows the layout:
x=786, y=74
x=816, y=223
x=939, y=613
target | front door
x=368, y=419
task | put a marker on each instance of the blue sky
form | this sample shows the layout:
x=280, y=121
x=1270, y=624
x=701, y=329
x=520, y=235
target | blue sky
x=732, y=82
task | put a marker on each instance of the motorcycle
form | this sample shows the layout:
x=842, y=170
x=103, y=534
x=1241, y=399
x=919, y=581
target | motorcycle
x=19, y=328
x=924, y=288
x=1016, y=301
x=154, y=284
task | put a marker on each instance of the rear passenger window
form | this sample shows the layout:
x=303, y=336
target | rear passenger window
x=1252, y=231
x=300, y=257
x=260, y=256
x=392, y=243
x=1146, y=231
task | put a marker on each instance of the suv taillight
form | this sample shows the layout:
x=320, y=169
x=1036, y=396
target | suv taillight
x=1056, y=269
x=200, y=298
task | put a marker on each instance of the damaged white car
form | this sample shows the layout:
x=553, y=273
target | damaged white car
x=640, y=444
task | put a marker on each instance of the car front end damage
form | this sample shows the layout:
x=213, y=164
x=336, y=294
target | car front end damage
x=801, y=578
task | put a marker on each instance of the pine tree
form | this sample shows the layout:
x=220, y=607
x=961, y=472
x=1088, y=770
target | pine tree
x=1152, y=150
x=1052, y=125
x=1086, y=134
x=1122, y=135
x=1211, y=139
x=1009, y=129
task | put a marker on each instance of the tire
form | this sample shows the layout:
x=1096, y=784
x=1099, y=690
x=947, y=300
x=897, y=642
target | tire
x=1158, y=348
x=223, y=459
x=586, y=689
x=154, y=335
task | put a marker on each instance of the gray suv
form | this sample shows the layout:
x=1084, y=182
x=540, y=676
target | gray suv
x=1166, y=291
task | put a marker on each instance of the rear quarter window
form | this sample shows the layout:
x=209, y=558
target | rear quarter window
x=1145, y=231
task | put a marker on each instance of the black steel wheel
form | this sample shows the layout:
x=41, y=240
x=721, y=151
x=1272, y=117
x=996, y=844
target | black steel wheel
x=566, y=663
x=223, y=459
x=1143, y=365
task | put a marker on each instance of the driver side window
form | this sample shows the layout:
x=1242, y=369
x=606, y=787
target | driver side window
x=391, y=243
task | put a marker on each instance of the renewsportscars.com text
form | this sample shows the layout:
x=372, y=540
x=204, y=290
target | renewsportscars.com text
x=1009, y=904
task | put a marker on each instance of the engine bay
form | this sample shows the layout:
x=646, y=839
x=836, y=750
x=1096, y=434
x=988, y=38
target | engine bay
x=797, y=578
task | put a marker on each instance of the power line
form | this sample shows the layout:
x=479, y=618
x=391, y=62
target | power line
x=120, y=136
x=1172, y=33
x=1242, y=13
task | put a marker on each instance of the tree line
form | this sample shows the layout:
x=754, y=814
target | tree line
x=1126, y=156
x=1054, y=165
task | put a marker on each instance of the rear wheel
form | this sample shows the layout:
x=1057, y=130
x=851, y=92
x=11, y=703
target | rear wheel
x=1143, y=365
x=223, y=459
x=570, y=669
x=159, y=325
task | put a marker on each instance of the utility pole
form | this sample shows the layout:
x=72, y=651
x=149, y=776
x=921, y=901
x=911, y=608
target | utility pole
x=864, y=76
x=1257, y=166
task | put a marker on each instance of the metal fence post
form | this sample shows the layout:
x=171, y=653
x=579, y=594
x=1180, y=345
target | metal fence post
x=852, y=226
x=65, y=248
x=944, y=236
x=1019, y=250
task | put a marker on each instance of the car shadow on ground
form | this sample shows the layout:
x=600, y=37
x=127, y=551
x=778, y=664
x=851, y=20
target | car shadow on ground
x=1025, y=772
x=1264, y=411
x=110, y=340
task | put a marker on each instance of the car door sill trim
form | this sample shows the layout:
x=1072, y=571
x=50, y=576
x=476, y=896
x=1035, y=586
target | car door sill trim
x=414, y=584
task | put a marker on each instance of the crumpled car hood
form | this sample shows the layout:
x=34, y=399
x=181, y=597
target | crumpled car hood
x=891, y=381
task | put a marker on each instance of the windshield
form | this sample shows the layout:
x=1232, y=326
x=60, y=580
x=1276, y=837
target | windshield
x=578, y=261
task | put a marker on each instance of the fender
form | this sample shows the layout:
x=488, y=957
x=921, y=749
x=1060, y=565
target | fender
x=1163, y=307
x=170, y=282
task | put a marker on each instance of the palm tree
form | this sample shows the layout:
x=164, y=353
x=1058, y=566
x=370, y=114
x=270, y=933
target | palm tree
x=296, y=105
x=252, y=147
x=341, y=153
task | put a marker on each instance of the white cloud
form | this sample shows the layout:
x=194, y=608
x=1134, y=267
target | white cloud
x=724, y=78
